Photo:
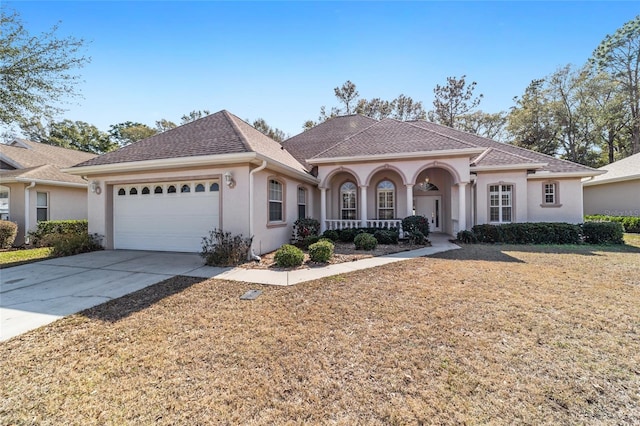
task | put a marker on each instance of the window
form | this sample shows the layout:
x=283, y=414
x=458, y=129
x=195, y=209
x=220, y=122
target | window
x=171, y=189
x=348, y=200
x=276, y=201
x=302, y=203
x=199, y=187
x=158, y=190
x=121, y=191
x=500, y=203
x=4, y=203
x=133, y=191
x=214, y=187
x=550, y=194
x=386, y=200
x=145, y=190
x=185, y=188
x=42, y=206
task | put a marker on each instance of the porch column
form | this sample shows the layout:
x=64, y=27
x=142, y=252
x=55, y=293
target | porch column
x=462, y=206
x=409, y=200
x=323, y=209
x=363, y=206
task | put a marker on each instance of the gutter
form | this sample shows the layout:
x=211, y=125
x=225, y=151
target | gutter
x=27, y=209
x=251, y=255
x=51, y=182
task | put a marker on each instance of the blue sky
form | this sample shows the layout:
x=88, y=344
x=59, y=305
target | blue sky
x=281, y=60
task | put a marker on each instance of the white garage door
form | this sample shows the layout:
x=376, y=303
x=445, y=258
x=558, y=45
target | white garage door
x=165, y=216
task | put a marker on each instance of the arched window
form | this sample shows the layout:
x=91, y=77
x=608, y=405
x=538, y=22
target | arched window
x=302, y=203
x=171, y=189
x=121, y=191
x=215, y=187
x=386, y=200
x=185, y=188
x=158, y=190
x=276, y=201
x=133, y=191
x=145, y=190
x=199, y=187
x=348, y=200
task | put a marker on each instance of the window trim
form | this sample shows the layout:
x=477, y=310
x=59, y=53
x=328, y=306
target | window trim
x=500, y=206
x=8, y=201
x=305, y=203
x=46, y=207
x=556, y=194
x=392, y=191
x=341, y=199
x=282, y=221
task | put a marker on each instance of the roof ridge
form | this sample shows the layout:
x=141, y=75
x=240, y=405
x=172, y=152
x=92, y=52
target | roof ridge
x=243, y=138
x=347, y=138
x=481, y=156
x=437, y=133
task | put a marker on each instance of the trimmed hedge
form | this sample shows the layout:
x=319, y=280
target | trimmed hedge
x=8, y=233
x=321, y=251
x=308, y=240
x=365, y=241
x=528, y=233
x=631, y=224
x=288, y=256
x=410, y=224
x=384, y=236
x=57, y=227
x=603, y=232
x=70, y=244
x=331, y=234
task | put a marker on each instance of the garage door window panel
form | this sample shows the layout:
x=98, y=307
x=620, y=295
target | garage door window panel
x=145, y=190
x=158, y=190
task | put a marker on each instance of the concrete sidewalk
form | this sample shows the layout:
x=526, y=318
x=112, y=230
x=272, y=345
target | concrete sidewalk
x=39, y=293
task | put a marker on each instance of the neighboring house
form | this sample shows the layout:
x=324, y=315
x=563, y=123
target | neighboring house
x=617, y=192
x=33, y=188
x=166, y=192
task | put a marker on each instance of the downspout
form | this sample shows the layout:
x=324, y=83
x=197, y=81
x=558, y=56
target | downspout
x=27, y=209
x=252, y=255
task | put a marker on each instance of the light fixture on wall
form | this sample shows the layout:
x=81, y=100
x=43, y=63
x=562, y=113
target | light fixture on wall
x=94, y=187
x=426, y=185
x=228, y=179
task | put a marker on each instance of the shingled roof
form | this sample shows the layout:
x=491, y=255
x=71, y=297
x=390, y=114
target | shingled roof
x=24, y=154
x=626, y=169
x=215, y=134
x=46, y=173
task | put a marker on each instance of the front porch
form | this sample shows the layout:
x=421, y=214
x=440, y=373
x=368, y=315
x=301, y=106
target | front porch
x=366, y=196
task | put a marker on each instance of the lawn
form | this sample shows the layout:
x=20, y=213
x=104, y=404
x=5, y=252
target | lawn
x=485, y=334
x=10, y=258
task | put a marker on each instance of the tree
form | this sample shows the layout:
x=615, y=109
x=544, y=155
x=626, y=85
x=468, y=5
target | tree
x=163, y=125
x=619, y=56
x=454, y=100
x=77, y=135
x=347, y=94
x=193, y=116
x=274, y=133
x=375, y=108
x=309, y=124
x=405, y=108
x=36, y=72
x=492, y=126
x=129, y=132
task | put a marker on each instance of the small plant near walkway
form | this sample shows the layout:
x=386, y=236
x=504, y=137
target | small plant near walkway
x=221, y=248
x=289, y=256
x=322, y=251
x=365, y=242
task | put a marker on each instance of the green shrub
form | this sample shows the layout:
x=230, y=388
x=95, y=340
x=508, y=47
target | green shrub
x=347, y=235
x=331, y=234
x=321, y=251
x=288, y=256
x=384, y=236
x=416, y=223
x=466, y=237
x=365, y=241
x=416, y=237
x=70, y=244
x=311, y=239
x=8, y=232
x=222, y=249
x=603, y=232
x=60, y=227
x=631, y=224
x=305, y=227
x=529, y=233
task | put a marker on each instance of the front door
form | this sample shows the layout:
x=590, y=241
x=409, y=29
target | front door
x=431, y=207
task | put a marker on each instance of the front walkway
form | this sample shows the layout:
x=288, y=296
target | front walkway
x=39, y=293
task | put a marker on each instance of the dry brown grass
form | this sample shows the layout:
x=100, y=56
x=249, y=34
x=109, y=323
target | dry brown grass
x=486, y=334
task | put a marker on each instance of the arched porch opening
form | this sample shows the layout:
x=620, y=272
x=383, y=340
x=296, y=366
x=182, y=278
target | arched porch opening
x=433, y=197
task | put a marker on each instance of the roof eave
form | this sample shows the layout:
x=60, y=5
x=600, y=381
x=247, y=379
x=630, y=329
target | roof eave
x=464, y=152
x=558, y=175
x=610, y=180
x=503, y=167
x=50, y=182
x=164, y=163
x=283, y=168
x=11, y=161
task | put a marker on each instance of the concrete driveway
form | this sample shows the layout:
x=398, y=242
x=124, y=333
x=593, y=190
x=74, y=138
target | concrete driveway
x=39, y=293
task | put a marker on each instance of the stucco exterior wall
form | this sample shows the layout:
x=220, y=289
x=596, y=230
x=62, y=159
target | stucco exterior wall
x=615, y=199
x=569, y=208
x=16, y=208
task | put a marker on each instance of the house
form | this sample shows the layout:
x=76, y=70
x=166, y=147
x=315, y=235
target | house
x=166, y=192
x=616, y=193
x=33, y=187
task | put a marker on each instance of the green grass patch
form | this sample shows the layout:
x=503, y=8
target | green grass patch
x=19, y=257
